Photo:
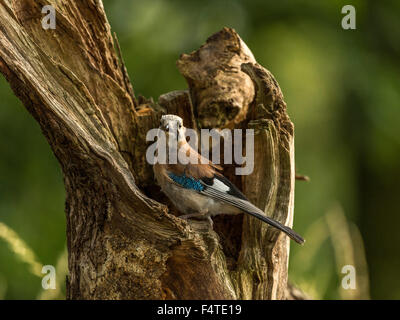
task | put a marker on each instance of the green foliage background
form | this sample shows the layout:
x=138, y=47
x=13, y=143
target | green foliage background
x=342, y=89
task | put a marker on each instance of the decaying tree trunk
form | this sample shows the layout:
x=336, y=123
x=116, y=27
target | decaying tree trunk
x=124, y=240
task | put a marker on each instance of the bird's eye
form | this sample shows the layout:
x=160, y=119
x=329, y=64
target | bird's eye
x=180, y=126
x=167, y=127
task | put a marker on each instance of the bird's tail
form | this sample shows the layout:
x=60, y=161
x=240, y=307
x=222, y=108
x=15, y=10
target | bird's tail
x=292, y=234
x=248, y=207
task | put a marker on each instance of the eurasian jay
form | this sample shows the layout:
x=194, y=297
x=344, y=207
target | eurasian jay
x=198, y=189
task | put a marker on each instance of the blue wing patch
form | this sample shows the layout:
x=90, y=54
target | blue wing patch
x=187, y=182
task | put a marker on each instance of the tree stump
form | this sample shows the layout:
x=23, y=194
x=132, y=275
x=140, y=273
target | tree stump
x=124, y=239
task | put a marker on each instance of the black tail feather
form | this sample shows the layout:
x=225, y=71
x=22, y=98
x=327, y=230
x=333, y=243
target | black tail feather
x=291, y=233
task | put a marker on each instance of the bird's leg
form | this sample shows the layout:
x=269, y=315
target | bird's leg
x=211, y=222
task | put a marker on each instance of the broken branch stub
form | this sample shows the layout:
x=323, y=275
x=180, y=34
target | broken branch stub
x=220, y=91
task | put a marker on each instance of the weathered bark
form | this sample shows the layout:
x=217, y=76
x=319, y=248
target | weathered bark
x=124, y=240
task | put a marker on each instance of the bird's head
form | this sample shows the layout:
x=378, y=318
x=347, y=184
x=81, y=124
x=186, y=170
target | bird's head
x=173, y=128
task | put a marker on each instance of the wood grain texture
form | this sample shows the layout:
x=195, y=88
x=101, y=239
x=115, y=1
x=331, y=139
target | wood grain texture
x=124, y=241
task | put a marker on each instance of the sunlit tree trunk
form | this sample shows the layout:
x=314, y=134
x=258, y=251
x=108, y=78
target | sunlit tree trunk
x=124, y=240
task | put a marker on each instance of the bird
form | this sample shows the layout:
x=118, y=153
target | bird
x=198, y=189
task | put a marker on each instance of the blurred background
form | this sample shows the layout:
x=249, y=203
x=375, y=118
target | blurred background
x=342, y=88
